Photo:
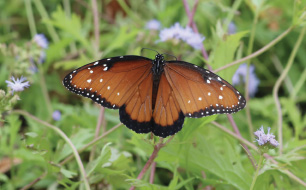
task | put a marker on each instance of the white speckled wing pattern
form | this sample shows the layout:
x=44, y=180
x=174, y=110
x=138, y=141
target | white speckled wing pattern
x=200, y=92
x=109, y=82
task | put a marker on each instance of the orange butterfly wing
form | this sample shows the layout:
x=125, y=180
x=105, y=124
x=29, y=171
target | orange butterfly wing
x=136, y=113
x=200, y=92
x=168, y=118
x=109, y=82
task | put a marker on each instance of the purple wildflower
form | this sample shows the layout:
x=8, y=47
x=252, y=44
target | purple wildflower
x=185, y=34
x=264, y=139
x=253, y=80
x=17, y=84
x=153, y=25
x=231, y=28
x=41, y=41
x=56, y=115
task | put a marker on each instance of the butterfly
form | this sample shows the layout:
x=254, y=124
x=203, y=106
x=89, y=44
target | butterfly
x=154, y=95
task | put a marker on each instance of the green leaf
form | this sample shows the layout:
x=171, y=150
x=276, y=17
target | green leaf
x=71, y=26
x=204, y=157
x=101, y=161
x=31, y=134
x=67, y=173
x=224, y=53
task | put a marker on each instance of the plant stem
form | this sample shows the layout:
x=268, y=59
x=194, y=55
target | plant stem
x=44, y=14
x=152, y=172
x=235, y=128
x=247, y=78
x=277, y=86
x=194, y=27
x=157, y=147
x=98, y=128
x=44, y=90
x=30, y=17
x=92, y=143
x=66, y=139
x=256, y=173
x=258, y=52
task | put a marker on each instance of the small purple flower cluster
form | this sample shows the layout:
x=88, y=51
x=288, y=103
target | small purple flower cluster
x=241, y=72
x=56, y=115
x=265, y=139
x=42, y=42
x=18, y=84
x=153, y=25
x=187, y=35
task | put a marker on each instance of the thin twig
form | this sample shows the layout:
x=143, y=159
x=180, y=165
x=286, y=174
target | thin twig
x=194, y=27
x=152, y=174
x=258, y=52
x=92, y=143
x=157, y=147
x=235, y=128
x=98, y=129
x=277, y=86
x=290, y=174
x=96, y=25
x=34, y=181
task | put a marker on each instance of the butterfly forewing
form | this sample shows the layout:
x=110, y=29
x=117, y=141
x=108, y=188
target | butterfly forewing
x=201, y=92
x=109, y=82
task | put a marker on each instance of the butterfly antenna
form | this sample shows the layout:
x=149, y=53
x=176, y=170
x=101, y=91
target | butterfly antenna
x=170, y=55
x=147, y=49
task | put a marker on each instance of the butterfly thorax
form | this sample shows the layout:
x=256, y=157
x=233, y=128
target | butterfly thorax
x=157, y=69
x=158, y=65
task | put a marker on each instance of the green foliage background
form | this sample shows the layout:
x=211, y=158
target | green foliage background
x=198, y=157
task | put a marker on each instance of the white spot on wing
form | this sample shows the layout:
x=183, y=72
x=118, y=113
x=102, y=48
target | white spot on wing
x=209, y=93
x=108, y=87
x=89, y=80
x=221, y=88
x=200, y=98
x=104, y=65
x=188, y=101
x=118, y=93
x=96, y=63
x=208, y=81
x=108, y=59
x=101, y=80
x=219, y=79
x=220, y=97
x=105, y=69
x=91, y=71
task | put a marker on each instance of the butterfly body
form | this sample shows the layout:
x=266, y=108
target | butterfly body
x=154, y=95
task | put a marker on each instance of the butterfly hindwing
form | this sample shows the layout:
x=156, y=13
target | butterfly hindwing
x=168, y=118
x=136, y=113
